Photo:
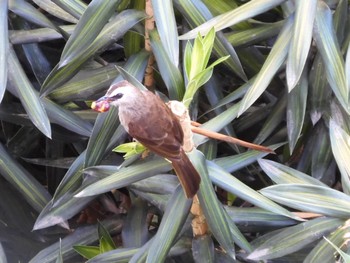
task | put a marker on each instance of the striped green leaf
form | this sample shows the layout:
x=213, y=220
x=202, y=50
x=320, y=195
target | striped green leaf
x=294, y=238
x=310, y=198
x=212, y=208
x=244, y=12
x=328, y=46
x=88, y=28
x=55, y=10
x=29, y=98
x=109, y=34
x=296, y=109
x=301, y=41
x=33, y=192
x=169, y=72
x=4, y=46
x=233, y=185
x=340, y=142
x=271, y=66
x=174, y=217
x=166, y=25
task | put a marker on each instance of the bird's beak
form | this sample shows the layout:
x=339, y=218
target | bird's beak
x=101, y=105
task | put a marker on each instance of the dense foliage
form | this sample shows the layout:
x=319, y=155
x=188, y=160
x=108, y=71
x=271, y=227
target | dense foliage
x=275, y=72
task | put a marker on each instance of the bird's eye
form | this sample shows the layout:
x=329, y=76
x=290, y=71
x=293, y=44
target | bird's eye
x=118, y=96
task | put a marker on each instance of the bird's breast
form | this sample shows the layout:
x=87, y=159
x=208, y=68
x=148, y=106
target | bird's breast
x=129, y=115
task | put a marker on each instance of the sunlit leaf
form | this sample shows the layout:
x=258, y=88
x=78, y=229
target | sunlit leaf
x=87, y=29
x=294, y=238
x=272, y=64
x=4, y=47
x=248, y=10
x=329, y=49
x=53, y=9
x=340, y=141
x=29, y=98
x=310, y=198
x=296, y=109
x=174, y=217
x=167, y=28
x=301, y=41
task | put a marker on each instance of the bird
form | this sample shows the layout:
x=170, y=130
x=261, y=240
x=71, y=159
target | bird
x=150, y=121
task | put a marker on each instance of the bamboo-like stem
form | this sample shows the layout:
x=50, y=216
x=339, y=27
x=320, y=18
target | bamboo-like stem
x=149, y=25
x=218, y=136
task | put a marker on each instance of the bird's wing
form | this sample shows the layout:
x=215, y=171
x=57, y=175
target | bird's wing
x=160, y=131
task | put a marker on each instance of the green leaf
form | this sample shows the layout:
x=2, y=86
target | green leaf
x=30, y=100
x=296, y=108
x=275, y=117
x=55, y=10
x=87, y=251
x=117, y=255
x=199, y=80
x=85, y=84
x=126, y=176
x=72, y=179
x=322, y=162
x=217, y=123
x=196, y=13
x=236, y=162
x=4, y=47
x=319, y=89
x=109, y=34
x=65, y=118
x=166, y=25
x=323, y=252
x=301, y=41
x=310, y=198
x=255, y=35
x=105, y=245
x=59, y=256
x=328, y=46
x=294, y=238
x=29, y=12
x=88, y=28
x=135, y=231
x=169, y=72
x=37, y=35
x=32, y=191
x=212, y=208
x=74, y=7
x=226, y=181
x=105, y=126
x=82, y=235
x=130, y=149
x=345, y=256
x=272, y=64
x=245, y=11
x=347, y=68
x=203, y=249
x=255, y=219
x=340, y=142
x=201, y=52
x=188, y=59
x=106, y=241
x=56, y=213
x=282, y=174
x=174, y=217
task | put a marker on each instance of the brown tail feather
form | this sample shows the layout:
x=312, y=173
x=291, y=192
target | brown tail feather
x=188, y=175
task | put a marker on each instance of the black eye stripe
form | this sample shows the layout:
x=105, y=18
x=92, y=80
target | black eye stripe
x=117, y=96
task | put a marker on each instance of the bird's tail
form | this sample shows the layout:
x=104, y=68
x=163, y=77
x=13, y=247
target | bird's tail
x=187, y=174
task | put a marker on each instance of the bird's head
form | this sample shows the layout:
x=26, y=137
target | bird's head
x=119, y=94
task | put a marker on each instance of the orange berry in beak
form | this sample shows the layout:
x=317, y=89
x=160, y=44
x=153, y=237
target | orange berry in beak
x=100, y=105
